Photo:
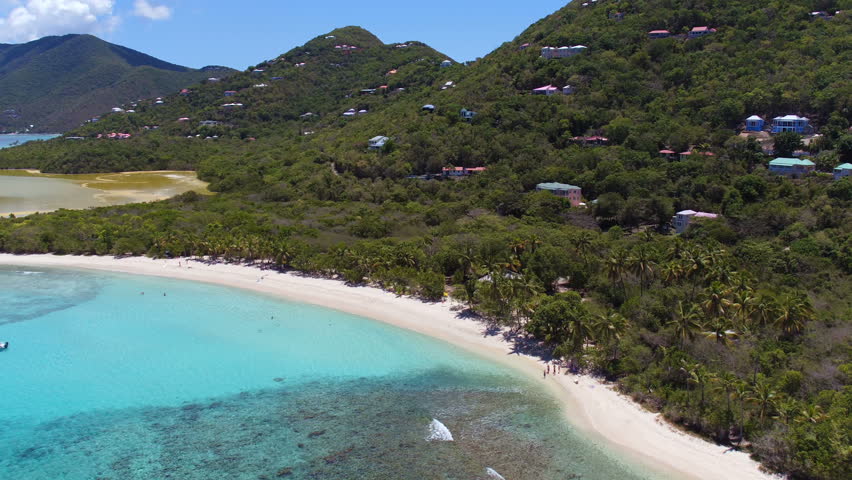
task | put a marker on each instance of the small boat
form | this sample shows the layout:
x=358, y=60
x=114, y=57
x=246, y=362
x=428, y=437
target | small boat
x=4, y=345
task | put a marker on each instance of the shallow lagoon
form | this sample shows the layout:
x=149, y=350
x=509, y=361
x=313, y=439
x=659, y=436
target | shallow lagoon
x=102, y=381
x=26, y=191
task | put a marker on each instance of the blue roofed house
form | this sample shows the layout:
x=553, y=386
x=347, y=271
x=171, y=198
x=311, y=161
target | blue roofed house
x=571, y=192
x=754, y=124
x=467, y=115
x=790, y=123
x=843, y=170
x=791, y=167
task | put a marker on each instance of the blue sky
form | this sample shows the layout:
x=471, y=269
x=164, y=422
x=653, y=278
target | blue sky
x=196, y=33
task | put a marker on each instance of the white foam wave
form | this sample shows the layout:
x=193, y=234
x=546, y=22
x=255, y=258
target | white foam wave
x=493, y=474
x=23, y=272
x=438, y=432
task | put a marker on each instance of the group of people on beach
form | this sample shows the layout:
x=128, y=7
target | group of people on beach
x=556, y=367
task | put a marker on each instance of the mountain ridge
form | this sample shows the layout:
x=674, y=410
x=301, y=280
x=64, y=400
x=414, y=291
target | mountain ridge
x=57, y=82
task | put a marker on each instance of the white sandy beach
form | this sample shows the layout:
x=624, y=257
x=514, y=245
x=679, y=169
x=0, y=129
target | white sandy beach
x=595, y=408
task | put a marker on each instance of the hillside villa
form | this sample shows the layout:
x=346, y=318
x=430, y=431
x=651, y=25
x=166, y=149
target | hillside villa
x=681, y=220
x=790, y=123
x=572, y=193
x=467, y=115
x=697, y=32
x=562, y=52
x=654, y=34
x=843, y=170
x=686, y=155
x=230, y=93
x=668, y=154
x=754, y=124
x=446, y=63
x=592, y=140
x=545, y=90
x=457, y=172
x=377, y=142
x=791, y=167
x=428, y=107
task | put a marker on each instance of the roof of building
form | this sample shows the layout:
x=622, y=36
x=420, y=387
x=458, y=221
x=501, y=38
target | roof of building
x=659, y=31
x=754, y=117
x=379, y=138
x=703, y=29
x=844, y=166
x=697, y=214
x=545, y=88
x=555, y=186
x=790, y=162
x=790, y=117
x=667, y=152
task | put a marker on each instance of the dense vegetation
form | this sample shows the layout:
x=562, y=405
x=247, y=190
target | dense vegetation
x=737, y=329
x=56, y=83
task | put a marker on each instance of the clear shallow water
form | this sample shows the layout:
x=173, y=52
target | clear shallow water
x=208, y=382
x=19, y=139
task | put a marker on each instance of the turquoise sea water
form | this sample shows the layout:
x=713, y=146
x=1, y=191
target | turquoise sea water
x=101, y=381
x=21, y=138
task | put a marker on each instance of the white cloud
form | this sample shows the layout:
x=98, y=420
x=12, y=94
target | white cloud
x=33, y=19
x=152, y=12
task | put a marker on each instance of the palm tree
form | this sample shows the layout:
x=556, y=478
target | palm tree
x=698, y=375
x=762, y=395
x=786, y=409
x=642, y=265
x=719, y=329
x=524, y=290
x=793, y=312
x=616, y=266
x=696, y=262
x=727, y=383
x=811, y=414
x=762, y=311
x=741, y=392
x=671, y=272
x=584, y=246
x=685, y=322
x=716, y=303
x=742, y=303
x=608, y=328
x=579, y=331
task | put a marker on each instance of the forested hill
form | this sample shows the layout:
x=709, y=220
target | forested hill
x=56, y=83
x=737, y=328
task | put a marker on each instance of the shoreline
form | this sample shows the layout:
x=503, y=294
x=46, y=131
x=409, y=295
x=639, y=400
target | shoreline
x=607, y=417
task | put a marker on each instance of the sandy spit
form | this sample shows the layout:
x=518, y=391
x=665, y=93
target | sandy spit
x=594, y=407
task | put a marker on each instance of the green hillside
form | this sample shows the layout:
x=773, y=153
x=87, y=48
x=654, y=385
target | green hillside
x=736, y=329
x=56, y=83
